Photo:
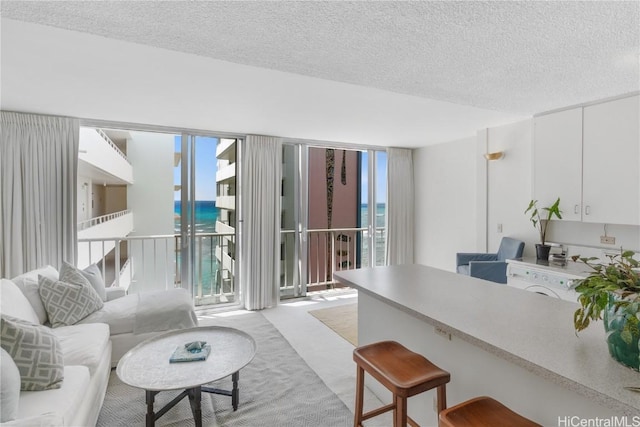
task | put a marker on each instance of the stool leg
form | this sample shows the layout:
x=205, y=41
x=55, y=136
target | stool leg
x=400, y=412
x=357, y=421
x=442, y=398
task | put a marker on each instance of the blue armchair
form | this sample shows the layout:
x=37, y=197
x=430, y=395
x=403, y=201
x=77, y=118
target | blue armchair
x=491, y=267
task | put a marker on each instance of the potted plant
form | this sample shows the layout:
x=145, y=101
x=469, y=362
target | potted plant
x=540, y=224
x=611, y=292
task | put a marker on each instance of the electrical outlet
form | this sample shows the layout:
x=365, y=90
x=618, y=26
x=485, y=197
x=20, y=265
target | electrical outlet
x=607, y=240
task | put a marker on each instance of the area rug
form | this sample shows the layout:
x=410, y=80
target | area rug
x=342, y=319
x=276, y=389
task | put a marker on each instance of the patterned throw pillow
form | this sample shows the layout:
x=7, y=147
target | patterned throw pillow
x=68, y=303
x=36, y=352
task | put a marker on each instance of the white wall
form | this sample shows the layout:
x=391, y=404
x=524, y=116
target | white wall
x=450, y=176
x=509, y=185
x=445, y=202
x=452, y=192
x=151, y=195
x=150, y=199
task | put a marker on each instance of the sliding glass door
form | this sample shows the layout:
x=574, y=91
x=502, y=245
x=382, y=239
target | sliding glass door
x=333, y=214
x=205, y=212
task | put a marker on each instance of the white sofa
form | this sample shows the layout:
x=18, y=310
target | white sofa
x=90, y=347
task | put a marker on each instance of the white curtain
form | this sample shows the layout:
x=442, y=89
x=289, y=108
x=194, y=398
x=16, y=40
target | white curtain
x=260, y=230
x=400, y=228
x=38, y=168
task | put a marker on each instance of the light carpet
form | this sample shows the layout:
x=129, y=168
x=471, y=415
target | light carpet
x=342, y=319
x=276, y=389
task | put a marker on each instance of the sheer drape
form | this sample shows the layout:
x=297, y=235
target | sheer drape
x=400, y=229
x=260, y=232
x=38, y=168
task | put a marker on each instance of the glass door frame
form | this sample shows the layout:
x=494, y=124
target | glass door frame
x=300, y=219
x=187, y=211
x=301, y=211
x=188, y=231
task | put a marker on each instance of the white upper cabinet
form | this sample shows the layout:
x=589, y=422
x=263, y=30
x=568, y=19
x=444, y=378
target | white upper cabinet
x=611, y=162
x=590, y=158
x=557, y=159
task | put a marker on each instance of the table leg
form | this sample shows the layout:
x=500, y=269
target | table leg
x=195, y=396
x=151, y=416
x=235, y=392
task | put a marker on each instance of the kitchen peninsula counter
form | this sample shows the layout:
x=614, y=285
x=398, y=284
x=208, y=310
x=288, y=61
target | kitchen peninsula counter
x=514, y=345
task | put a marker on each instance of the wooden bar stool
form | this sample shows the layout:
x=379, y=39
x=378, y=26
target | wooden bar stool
x=403, y=372
x=480, y=412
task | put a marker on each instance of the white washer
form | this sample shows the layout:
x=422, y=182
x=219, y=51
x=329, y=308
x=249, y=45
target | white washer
x=546, y=281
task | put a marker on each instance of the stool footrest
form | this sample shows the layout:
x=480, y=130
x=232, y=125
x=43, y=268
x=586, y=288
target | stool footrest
x=376, y=412
x=382, y=410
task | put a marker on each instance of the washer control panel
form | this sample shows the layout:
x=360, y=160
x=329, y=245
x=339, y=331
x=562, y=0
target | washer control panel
x=542, y=277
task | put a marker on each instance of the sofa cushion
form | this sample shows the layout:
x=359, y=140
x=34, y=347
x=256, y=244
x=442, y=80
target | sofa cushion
x=61, y=404
x=28, y=284
x=119, y=314
x=153, y=311
x=35, y=350
x=83, y=344
x=9, y=387
x=15, y=304
x=94, y=276
x=67, y=303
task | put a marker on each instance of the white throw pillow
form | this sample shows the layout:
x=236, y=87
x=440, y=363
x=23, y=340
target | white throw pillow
x=15, y=304
x=68, y=303
x=28, y=284
x=9, y=387
x=36, y=352
x=94, y=276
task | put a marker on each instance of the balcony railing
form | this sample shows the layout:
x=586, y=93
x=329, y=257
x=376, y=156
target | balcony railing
x=82, y=225
x=112, y=144
x=154, y=262
x=327, y=251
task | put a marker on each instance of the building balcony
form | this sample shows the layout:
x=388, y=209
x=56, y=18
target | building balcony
x=226, y=173
x=223, y=228
x=117, y=224
x=101, y=160
x=226, y=149
x=226, y=202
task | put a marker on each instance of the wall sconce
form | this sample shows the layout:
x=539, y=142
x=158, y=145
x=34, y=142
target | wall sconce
x=494, y=156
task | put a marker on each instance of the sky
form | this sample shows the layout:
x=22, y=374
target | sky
x=381, y=177
x=205, y=168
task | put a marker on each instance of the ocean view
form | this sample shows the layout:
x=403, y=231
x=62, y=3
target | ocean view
x=207, y=215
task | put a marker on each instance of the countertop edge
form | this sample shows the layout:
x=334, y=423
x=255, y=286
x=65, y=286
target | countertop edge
x=532, y=367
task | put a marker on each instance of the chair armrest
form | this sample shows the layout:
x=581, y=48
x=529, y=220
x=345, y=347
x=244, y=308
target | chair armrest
x=465, y=258
x=495, y=271
x=114, y=292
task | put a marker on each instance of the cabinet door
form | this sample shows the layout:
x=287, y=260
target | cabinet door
x=557, y=161
x=611, y=163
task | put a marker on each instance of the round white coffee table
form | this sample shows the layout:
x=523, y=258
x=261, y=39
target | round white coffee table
x=147, y=366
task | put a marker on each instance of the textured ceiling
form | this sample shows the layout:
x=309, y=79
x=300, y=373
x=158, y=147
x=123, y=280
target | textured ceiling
x=520, y=57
